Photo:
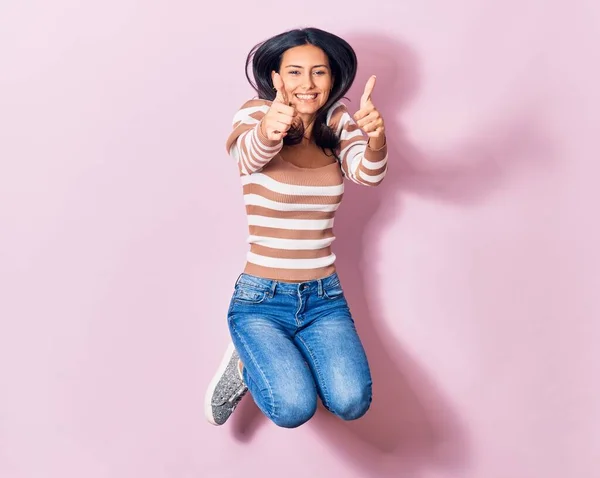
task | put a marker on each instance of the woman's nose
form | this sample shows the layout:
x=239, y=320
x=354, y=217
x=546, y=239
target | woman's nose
x=307, y=81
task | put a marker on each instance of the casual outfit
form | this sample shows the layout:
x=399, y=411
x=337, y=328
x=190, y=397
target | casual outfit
x=288, y=317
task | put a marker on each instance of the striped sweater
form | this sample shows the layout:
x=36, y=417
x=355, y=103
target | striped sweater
x=291, y=209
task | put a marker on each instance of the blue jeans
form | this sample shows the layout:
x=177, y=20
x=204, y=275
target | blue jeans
x=297, y=341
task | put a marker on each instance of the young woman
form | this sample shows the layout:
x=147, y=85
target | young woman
x=293, y=337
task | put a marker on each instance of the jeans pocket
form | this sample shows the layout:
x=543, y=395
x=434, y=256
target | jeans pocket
x=333, y=291
x=248, y=295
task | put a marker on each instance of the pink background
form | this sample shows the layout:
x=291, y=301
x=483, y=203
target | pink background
x=472, y=271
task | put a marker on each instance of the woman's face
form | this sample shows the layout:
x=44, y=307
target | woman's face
x=307, y=78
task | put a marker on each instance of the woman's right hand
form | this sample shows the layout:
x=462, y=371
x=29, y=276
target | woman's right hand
x=275, y=124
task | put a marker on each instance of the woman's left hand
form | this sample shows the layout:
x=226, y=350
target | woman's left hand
x=368, y=117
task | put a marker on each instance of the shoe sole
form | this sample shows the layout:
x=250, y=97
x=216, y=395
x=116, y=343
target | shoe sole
x=213, y=384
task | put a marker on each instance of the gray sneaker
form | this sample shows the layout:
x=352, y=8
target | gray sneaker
x=225, y=390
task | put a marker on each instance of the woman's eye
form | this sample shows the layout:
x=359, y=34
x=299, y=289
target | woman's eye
x=320, y=72
x=294, y=72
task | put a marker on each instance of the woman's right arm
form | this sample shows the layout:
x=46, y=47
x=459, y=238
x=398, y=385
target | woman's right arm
x=247, y=143
x=258, y=131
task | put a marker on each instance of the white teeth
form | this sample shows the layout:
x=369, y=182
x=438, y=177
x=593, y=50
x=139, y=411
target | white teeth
x=306, y=97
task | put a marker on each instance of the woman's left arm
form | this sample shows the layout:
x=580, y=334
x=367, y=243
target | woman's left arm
x=362, y=161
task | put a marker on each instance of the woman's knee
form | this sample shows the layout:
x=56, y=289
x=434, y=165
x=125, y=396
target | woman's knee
x=292, y=412
x=352, y=404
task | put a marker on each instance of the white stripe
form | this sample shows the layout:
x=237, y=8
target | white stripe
x=263, y=147
x=375, y=165
x=344, y=151
x=291, y=189
x=347, y=135
x=291, y=263
x=258, y=200
x=260, y=154
x=345, y=118
x=252, y=163
x=345, y=122
x=353, y=161
x=291, y=244
x=373, y=179
x=236, y=153
x=243, y=115
x=356, y=163
x=291, y=224
x=334, y=107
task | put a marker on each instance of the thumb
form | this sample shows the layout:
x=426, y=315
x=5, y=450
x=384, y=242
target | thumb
x=369, y=87
x=281, y=96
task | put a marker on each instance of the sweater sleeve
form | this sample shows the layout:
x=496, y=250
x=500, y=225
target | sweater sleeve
x=246, y=143
x=358, y=161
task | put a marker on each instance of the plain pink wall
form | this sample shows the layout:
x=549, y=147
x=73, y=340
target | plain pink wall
x=471, y=271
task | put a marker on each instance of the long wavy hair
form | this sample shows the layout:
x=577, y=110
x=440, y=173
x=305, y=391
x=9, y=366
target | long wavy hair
x=266, y=57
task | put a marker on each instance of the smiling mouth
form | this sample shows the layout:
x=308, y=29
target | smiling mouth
x=305, y=97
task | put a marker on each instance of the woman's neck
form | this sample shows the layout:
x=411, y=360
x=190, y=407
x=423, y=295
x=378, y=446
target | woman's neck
x=308, y=122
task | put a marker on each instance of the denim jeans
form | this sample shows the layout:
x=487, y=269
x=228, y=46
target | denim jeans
x=297, y=341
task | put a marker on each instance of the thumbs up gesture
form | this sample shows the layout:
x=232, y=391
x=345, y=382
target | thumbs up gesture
x=368, y=118
x=275, y=124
